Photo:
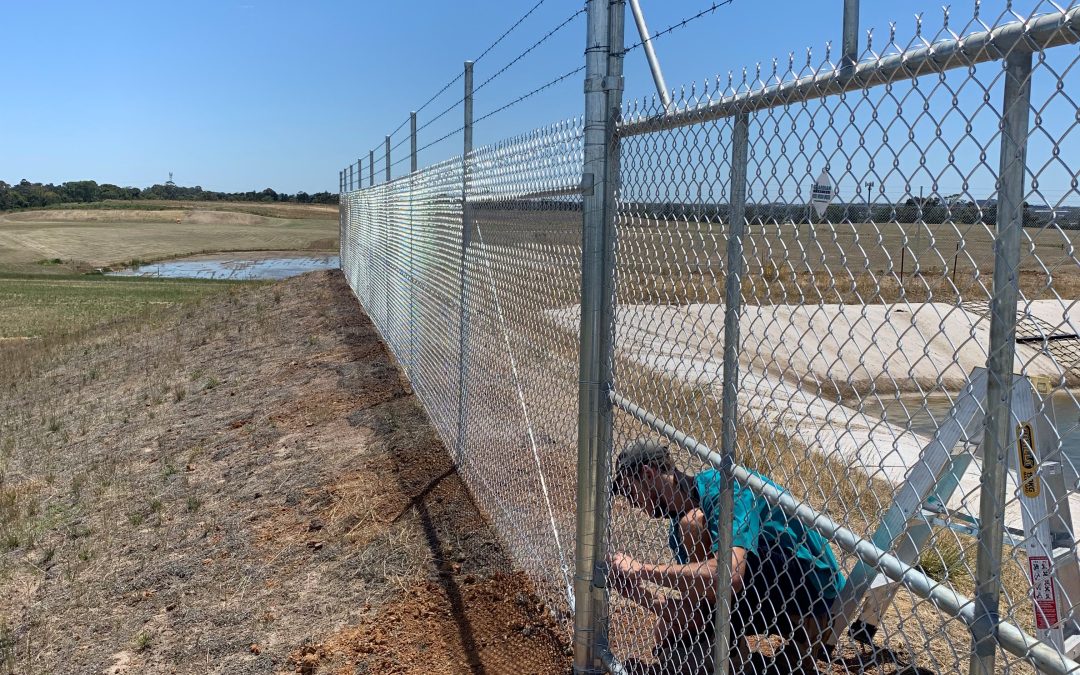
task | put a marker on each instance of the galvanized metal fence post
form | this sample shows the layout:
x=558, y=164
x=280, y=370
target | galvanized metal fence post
x=999, y=425
x=850, y=50
x=466, y=236
x=412, y=241
x=740, y=141
x=371, y=168
x=613, y=86
x=387, y=199
x=387, y=146
x=341, y=213
x=592, y=329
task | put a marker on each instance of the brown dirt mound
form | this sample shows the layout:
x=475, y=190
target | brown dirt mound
x=489, y=625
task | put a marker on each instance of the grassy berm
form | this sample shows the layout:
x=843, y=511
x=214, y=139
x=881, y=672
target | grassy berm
x=244, y=485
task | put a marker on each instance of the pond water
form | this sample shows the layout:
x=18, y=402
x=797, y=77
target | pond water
x=237, y=266
x=926, y=416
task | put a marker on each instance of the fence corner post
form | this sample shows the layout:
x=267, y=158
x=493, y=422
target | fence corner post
x=597, y=214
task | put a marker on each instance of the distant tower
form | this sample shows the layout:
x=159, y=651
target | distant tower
x=170, y=181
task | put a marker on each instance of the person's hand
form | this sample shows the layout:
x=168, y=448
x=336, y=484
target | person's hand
x=624, y=566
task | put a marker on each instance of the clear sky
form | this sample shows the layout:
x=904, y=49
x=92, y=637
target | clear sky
x=247, y=94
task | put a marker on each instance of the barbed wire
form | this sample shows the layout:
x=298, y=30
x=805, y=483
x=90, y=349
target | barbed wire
x=494, y=112
x=565, y=22
x=539, y=89
x=675, y=26
x=441, y=139
x=506, y=67
x=439, y=116
x=508, y=31
x=459, y=76
x=562, y=24
x=399, y=144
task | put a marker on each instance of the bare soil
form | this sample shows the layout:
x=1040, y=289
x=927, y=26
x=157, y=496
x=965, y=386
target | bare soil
x=246, y=486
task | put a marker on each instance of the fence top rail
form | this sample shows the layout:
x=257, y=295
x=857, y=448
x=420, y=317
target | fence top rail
x=1035, y=34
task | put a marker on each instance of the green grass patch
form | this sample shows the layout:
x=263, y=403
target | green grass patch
x=33, y=308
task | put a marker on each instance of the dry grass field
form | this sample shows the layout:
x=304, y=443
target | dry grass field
x=75, y=240
x=245, y=485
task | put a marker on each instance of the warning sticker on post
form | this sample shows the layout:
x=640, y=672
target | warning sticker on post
x=1025, y=450
x=1042, y=591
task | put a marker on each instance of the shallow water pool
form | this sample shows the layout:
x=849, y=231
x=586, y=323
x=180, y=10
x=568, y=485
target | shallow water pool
x=237, y=266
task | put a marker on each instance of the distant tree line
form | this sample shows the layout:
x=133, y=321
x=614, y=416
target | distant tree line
x=29, y=195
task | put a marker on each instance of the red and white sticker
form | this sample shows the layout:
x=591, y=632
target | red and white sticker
x=1042, y=591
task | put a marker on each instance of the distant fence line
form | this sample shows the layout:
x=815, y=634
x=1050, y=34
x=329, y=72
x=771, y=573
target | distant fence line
x=683, y=271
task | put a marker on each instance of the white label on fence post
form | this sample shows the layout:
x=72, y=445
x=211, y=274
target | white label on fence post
x=1043, y=592
x=822, y=193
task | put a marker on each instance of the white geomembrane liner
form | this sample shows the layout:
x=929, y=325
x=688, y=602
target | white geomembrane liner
x=875, y=350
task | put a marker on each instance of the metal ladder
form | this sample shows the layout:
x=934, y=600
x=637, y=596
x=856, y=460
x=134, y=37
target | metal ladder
x=922, y=500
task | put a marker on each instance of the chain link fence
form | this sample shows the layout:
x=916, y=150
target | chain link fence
x=463, y=305
x=840, y=348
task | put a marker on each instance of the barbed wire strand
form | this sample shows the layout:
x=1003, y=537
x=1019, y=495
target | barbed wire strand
x=565, y=22
x=508, y=31
x=494, y=112
x=539, y=89
x=459, y=76
x=675, y=26
x=502, y=70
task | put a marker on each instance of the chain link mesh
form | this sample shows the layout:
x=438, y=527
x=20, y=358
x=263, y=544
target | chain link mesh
x=864, y=330
x=497, y=377
x=872, y=238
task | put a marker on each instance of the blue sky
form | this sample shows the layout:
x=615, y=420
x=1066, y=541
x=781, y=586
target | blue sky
x=252, y=94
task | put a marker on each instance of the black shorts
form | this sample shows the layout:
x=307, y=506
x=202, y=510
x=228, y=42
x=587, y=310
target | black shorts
x=779, y=589
x=777, y=593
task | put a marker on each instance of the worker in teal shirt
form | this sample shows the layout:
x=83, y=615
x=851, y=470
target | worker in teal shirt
x=784, y=576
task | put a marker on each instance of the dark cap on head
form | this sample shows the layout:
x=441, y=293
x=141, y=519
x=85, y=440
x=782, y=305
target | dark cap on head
x=636, y=454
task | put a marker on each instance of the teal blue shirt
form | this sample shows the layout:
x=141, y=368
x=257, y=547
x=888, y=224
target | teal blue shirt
x=757, y=527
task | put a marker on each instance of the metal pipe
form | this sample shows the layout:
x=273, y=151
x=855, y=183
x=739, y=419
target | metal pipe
x=586, y=660
x=387, y=159
x=650, y=54
x=466, y=236
x=1000, y=360
x=412, y=244
x=606, y=323
x=371, y=167
x=1011, y=638
x=740, y=142
x=850, y=52
x=1042, y=32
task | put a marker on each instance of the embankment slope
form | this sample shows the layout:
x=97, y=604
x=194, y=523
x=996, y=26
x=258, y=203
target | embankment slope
x=247, y=486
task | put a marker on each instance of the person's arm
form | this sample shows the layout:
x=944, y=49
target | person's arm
x=697, y=579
